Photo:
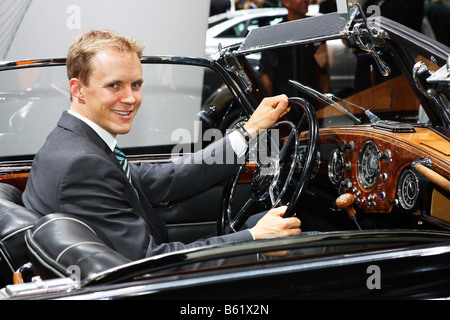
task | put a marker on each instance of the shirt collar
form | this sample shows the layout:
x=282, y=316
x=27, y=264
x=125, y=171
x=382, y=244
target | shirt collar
x=105, y=135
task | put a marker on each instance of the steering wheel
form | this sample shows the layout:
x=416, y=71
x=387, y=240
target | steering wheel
x=281, y=175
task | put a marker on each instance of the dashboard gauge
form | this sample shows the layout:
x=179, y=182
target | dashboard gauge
x=408, y=189
x=368, y=165
x=336, y=167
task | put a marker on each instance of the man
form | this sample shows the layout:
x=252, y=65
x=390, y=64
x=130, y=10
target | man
x=77, y=172
x=307, y=64
x=297, y=9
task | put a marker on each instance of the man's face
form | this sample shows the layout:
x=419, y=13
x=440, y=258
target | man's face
x=114, y=93
x=299, y=7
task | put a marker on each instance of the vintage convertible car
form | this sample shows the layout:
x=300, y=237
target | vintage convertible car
x=364, y=164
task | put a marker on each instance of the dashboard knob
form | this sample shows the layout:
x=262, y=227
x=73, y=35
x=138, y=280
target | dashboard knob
x=344, y=145
x=387, y=156
x=345, y=202
x=346, y=184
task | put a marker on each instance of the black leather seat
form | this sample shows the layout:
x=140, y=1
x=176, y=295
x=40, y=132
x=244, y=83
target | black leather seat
x=61, y=244
x=15, y=219
x=57, y=244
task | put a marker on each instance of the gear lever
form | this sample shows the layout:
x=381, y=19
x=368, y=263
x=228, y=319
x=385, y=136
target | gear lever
x=345, y=202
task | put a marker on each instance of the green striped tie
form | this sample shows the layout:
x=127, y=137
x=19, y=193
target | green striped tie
x=123, y=161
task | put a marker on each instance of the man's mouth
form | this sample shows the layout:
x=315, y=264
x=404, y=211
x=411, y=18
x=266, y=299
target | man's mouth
x=122, y=113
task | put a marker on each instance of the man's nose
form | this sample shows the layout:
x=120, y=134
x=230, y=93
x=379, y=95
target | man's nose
x=128, y=96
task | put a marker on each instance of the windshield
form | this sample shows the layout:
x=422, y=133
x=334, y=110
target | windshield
x=343, y=82
x=33, y=99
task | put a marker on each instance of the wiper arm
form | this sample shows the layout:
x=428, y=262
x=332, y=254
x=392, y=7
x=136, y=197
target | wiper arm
x=334, y=101
x=372, y=117
x=323, y=97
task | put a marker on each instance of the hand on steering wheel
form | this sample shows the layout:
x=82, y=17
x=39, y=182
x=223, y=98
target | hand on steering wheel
x=276, y=178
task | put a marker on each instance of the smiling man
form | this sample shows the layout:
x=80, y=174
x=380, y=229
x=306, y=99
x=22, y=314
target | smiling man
x=77, y=170
x=113, y=95
x=107, y=91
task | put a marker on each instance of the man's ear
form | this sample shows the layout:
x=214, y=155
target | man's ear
x=75, y=86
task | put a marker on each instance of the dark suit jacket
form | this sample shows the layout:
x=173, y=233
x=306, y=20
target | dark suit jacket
x=76, y=172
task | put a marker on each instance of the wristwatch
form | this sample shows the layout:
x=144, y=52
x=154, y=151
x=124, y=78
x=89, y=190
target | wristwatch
x=240, y=128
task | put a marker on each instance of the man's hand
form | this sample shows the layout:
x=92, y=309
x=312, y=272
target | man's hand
x=269, y=111
x=274, y=225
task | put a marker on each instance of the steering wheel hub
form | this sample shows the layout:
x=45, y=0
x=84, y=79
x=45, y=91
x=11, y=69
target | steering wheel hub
x=261, y=181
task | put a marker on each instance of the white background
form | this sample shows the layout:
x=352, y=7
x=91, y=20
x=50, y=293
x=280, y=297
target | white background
x=166, y=27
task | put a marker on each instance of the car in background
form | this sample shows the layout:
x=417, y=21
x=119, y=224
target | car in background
x=366, y=171
x=232, y=27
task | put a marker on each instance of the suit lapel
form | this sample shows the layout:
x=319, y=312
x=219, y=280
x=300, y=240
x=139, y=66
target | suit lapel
x=74, y=124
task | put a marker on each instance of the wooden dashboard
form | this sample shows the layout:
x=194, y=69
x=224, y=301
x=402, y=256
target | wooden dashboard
x=379, y=167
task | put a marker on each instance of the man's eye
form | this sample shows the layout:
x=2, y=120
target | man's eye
x=137, y=84
x=113, y=85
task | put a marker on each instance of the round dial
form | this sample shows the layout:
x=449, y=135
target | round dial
x=336, y=167
x=408, y=189
x=368, y=165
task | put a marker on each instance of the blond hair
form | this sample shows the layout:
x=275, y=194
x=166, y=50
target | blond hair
x=87, y=45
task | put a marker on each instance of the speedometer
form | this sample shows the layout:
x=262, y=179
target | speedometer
x=368, y=165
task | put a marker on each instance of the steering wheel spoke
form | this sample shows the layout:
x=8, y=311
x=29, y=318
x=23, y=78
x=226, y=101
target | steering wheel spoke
x=239, y=219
